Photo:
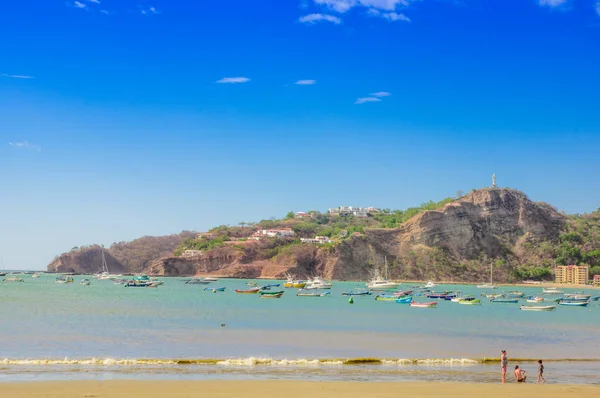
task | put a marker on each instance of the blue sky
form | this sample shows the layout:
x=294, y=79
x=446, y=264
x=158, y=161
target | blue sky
x=125, y=118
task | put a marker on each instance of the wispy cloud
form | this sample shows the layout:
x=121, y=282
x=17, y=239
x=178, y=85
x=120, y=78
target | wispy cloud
x=79, y=5
x=312, y=18
x=380, y=94
x=553, y=3
x=104, y=12
x=306, y=82
x=25, y=145
x=233, y=80
x=93, y=1
x=598, y=8
x=364, y=100
x=340, y=6
x=17, y=76
x=149, y=10
x=390, y=16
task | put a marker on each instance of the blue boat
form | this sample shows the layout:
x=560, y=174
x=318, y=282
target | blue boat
x=404, y=300
x=504, y=300
x=268, y=287
x=215, y=289
x=596, y=298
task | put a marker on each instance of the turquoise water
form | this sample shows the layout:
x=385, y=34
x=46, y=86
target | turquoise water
x=72, y=331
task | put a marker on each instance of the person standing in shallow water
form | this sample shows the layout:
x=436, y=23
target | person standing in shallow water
x=541, y=372
x=504, y=364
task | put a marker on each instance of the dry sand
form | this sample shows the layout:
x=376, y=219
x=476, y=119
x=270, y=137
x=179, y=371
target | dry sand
x=286, y=389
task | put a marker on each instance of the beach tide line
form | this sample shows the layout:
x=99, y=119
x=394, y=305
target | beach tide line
x=254, y=361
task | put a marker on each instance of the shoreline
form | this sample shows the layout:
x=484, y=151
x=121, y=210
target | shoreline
x=259, y=389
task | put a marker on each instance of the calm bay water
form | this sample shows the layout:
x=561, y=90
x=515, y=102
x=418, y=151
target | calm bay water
x=53, y=331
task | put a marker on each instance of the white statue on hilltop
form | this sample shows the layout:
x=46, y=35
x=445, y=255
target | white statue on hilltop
x=493, y=180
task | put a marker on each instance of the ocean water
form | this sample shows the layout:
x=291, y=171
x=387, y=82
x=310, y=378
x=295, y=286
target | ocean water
x=50, y=331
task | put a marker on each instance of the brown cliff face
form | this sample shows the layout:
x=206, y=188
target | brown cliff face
x=87, y=260
x=457, y=242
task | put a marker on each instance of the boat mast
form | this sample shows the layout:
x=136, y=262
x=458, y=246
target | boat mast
x=104, y=265
x=386, y=267
x=491, y=273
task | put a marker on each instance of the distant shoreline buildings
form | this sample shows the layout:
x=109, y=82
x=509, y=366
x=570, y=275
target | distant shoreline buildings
x=572, y=274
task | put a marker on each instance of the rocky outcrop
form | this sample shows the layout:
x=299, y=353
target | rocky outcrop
x=87, y=260
x=456, y=242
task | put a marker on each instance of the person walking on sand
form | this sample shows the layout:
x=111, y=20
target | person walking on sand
x=504, y=365
x=541, y=372
x=520, y=375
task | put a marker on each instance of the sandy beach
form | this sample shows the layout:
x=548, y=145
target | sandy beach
x=259, y=389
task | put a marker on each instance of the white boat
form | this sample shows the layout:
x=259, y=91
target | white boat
x=35, y=275
x=551, y=290
x=211, y=279
x=85, y=282
x=381, y=283
x=491, y=284
x=430, y=284
x=538, y=307
x=535, y=300
x=317, y=283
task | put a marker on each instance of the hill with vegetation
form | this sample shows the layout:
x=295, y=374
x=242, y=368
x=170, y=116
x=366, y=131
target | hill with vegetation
x=456, y=239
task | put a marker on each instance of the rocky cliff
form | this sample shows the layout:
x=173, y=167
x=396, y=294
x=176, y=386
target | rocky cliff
x=457, y=242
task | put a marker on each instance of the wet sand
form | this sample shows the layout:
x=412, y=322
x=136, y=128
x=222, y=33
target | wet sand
x=289, y=389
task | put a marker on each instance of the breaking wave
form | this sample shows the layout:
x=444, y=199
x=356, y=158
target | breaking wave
x=252, y=361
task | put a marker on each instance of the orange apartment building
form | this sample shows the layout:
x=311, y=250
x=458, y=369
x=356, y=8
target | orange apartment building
x=572, y=274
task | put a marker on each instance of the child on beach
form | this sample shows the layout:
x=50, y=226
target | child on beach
x=541, y=372
x=520, y=375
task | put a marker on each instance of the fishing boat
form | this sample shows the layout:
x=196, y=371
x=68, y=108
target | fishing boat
x=215, y=289
x=470, y=302
x=501, y=300
x=64, y=279
x=381, y=283
x=357, y=293
x=574, y=303
x=551, y=290
x=551, y=299
x=385, y=297
x=211, y=279
x=263, y=293
x=253, y=290
x=515, y=294
x=251, y=283
x=573, y=300
x=35, y=275
x=403, y=293
x=538, y=307
x=317, y=283
x=595, y=298
x=535, y=299
x=85, y=282
x=311, y=293
x=277, y=295
x=431, y=304
x=137, y=283
x=268, y=287
x=404, y=300
x=13, y=279
x=196, y=281
x=430, y=284
x=492, y=295
x=294, y=283
x=463, y=298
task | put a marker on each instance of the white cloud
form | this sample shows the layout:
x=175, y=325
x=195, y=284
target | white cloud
x=380, y=94
x=233, y=80
x=552, y=3
x=307, y=82
x=104, y=12
x=598, y=8
x=149, y=10
x=16, y=76
x=77, y=4
x=312, y=18
x=343, y=6
x=25, y=145
x=93, y=1
x=393, y=16
x=364, y=100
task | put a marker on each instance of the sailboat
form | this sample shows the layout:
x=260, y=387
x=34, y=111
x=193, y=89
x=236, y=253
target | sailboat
x=2, y=273
x=104, y=274
x=379, y=283
x=490, y=285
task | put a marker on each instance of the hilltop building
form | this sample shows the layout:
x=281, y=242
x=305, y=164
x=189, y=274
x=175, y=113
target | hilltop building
x=319, y=240
x=191, y=253
x=353, y=211
x=596, y=280
x=572, y=274
x=274, y=233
